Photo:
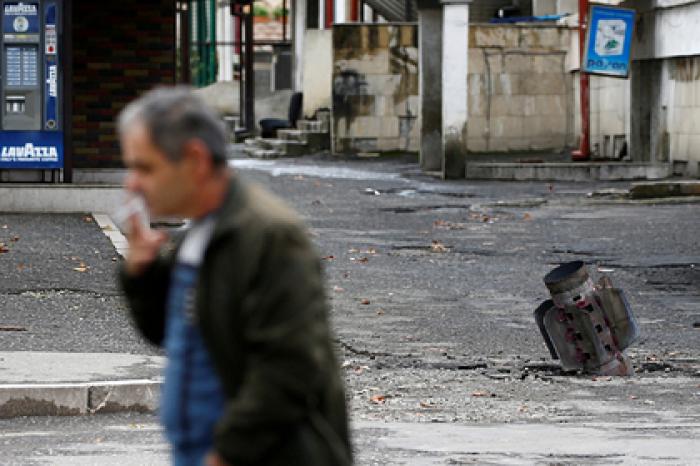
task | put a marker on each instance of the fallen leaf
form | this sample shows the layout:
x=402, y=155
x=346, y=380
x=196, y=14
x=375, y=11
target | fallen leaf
x=523, y=409
x=527, y=217
x=328, y=258
x=363, y=260
x=358, y=370
x=437, y=246
x=3, y=248
x=21, y=267
x=365, y=302
x=338, y=289
x=447, y=225
x=353, y=251
x=81, y=268
x=378, y=399
x=14, y=239
x=380, y=312
x=479, y=393
x=426, y=404
x=87, y=219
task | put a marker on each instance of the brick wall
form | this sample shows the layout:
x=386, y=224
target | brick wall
x=120, y=50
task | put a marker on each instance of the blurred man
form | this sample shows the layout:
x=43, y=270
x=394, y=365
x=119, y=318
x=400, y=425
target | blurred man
x=238, y=302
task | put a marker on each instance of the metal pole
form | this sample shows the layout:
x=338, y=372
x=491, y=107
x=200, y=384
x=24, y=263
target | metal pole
x=584, y=151
x=185, y=75
x=354, y=10
x=67, y=46
x=212, y=67
x=249, y=72
x=330, y=13
x=284, y=20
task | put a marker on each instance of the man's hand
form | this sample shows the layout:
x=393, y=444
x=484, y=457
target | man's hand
x=144, y=244
x=213, y=459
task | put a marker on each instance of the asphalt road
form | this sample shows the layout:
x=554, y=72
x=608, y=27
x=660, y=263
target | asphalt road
x=432, y=286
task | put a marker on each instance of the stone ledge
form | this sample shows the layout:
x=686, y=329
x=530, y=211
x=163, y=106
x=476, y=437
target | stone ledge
x=79, y=398
x=574, y=171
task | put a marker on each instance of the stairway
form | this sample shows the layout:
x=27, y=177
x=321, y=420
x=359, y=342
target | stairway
x=311, y=137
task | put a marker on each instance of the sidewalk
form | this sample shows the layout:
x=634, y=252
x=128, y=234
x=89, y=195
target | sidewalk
x=50, y=384
x=64, y=319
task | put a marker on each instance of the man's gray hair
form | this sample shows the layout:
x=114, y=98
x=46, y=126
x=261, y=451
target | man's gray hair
x=173, y=116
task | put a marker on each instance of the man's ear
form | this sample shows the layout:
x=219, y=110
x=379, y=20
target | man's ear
x=197, y=156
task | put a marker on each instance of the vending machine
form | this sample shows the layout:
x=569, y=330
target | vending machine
x=31, y=126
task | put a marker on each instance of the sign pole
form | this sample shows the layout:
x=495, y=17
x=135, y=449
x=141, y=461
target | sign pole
x=584, y=151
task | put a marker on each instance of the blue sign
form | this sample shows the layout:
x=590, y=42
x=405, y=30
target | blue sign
x=31, y=149
x=51, y=69
x=609, y=41
x=21, y=18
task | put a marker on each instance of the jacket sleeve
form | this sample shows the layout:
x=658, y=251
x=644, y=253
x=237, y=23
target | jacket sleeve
x=287, y=352
x=146, y=296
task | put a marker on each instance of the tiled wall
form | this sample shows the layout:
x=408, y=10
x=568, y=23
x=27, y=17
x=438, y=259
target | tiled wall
x=684, y=109
x=120, y=50
x=376, y=104
x=520, y=94
x=609, y=115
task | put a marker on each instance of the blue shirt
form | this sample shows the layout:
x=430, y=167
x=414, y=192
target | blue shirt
x=193, y=400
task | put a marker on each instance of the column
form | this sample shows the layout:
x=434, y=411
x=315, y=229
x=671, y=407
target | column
x=430, y=70
x=455, y=47
x=298, y=11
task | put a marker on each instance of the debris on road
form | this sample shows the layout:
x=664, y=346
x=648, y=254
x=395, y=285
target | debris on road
x=586, y=326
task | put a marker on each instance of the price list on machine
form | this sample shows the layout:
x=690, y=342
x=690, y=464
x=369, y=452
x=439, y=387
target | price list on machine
x=22, y=68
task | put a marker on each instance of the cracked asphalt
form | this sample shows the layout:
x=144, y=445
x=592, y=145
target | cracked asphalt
x=432, y=286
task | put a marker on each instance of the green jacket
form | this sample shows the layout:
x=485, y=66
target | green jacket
x=263, y=315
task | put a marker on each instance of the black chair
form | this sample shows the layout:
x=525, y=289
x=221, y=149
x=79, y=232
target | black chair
x=270, y=126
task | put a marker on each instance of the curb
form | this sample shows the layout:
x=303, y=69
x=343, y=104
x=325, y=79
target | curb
x=74, y=399
x=111, y=230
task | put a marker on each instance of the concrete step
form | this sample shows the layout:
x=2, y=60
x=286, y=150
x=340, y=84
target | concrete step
x=292, y=135
x=313, y=126
x=260, y=147
x=261, y=153
x=60, y=198
x=575, y=171
x=665, y=189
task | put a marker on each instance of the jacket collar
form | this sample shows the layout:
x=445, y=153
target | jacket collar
x=231, y=210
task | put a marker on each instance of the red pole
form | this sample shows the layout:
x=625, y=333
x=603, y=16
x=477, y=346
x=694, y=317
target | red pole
x=330, y=13
x=354, y=10
x=584, y=151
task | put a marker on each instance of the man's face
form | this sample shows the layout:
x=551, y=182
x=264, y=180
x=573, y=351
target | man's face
x=166, y=186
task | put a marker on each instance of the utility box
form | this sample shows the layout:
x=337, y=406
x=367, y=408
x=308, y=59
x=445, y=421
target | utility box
x=31, y=126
